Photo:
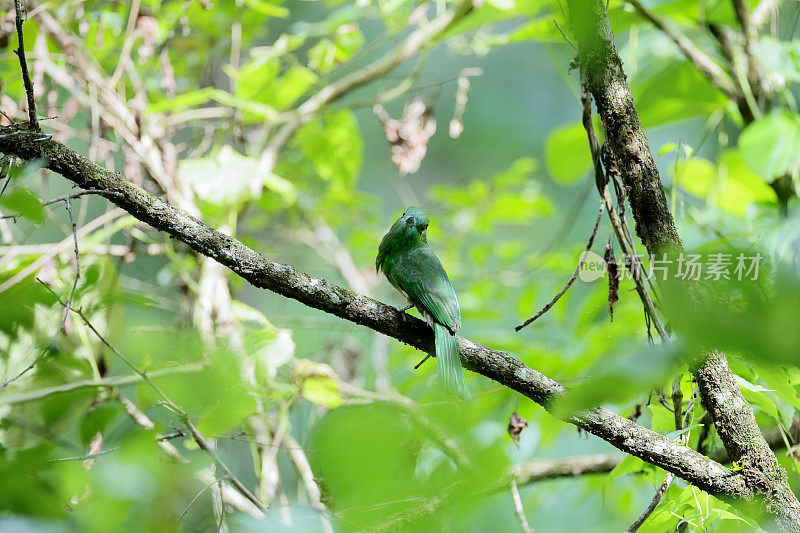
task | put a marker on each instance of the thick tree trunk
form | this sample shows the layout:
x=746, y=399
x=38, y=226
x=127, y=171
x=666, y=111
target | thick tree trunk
x=732, y=415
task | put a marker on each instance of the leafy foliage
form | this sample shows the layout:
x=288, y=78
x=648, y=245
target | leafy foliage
x=297, y=403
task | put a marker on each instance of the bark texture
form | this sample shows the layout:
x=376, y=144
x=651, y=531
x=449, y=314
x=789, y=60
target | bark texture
x=732, y=415
x=744, y=442
x=606, y=80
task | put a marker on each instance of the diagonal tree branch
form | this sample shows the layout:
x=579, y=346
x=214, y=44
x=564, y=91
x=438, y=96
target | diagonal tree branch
x=317, y=293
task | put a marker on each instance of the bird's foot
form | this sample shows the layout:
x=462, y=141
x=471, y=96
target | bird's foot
x=402, y=310
x=420, y=363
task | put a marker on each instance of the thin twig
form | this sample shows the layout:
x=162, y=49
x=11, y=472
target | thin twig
x=523, y=521
x=572, y=278
x=229, y=494
x=65, y=313
x=127, y=43
x=87, y=456
x=701, y=60
x=23, y=64
x=68, y=197
x=633, y=262
x=171, y=406
x=677, y=408
x=10, y=120
x=58, y=248
x=208, y=486
x=108, y=382
x=298, y=457
x=406, y=85
x=662, y=489
x=564, y=34
x=677, y=402
x=8, y=177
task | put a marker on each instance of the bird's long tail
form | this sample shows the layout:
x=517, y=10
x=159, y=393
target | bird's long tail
x=448, y=362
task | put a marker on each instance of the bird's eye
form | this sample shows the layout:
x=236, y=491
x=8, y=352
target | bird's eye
x=410, y=221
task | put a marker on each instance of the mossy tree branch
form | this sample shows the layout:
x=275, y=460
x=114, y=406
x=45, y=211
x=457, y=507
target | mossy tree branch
x=624, y=434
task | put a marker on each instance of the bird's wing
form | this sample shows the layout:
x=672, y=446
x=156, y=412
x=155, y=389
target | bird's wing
x=423, y=279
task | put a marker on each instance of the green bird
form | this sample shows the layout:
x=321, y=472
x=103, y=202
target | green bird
x=413, y=269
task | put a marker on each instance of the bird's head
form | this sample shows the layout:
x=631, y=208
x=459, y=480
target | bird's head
x=407, y=231
x=414, y=221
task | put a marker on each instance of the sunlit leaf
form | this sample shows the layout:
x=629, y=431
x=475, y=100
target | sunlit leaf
x=771, y=145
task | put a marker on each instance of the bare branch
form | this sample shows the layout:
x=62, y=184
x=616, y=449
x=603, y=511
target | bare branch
x=519, y=509
x=127, y=43
x=23, y=64
x=572, y=278
x=713, y=72
x=763, y=11
x=68, y=197
x=580, y=465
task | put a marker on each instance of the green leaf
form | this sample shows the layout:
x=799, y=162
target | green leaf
x=502, y=5
x=678, y=432
x=29, y=293
x=727, y=515
x=322, y=390
x=750, y=386
x=729, y=186
x=672, y=89
x=771, y=145
x=267, y=8
x=779, y=58
x=228, y=412
x=271, y=348
x=20, y=200
x=334, y=146
x=741, y=186
x=696, y=175
x=566, y=152
x=628, y=465
x=258, y=81
x=183, y=101
x=230, y=179
x=667, y=148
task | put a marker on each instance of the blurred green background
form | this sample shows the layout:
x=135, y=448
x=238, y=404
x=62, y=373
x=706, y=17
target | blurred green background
x=269, y=381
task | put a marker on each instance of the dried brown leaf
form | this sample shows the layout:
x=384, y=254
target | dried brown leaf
x=515, y=426
x=409, y=135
